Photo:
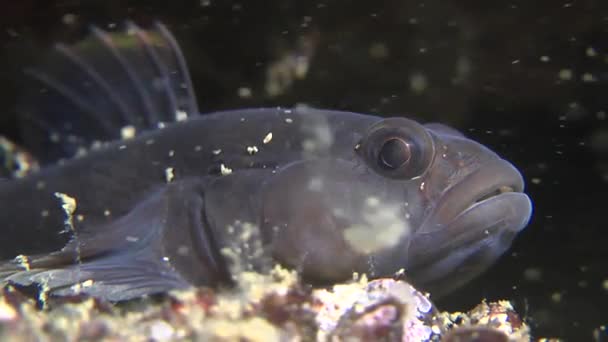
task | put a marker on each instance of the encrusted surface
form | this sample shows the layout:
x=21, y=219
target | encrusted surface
x=273, y=307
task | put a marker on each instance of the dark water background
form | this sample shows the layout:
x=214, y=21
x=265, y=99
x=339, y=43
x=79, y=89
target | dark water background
x=528, y=78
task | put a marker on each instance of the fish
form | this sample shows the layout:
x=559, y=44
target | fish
x=139, y=193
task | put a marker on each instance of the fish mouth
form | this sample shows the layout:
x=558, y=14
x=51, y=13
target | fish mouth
x=472, y=225
x=484, y=189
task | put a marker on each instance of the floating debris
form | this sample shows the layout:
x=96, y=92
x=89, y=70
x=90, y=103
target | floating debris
x=15, y=161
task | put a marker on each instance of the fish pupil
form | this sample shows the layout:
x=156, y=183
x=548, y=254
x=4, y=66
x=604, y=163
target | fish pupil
x=394, y=153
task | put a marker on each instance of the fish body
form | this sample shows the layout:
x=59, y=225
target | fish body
x=192, y=202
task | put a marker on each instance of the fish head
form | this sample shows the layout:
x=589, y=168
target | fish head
x=391, y=194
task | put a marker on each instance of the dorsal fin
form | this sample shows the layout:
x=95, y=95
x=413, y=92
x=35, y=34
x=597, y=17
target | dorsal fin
x=109, y=82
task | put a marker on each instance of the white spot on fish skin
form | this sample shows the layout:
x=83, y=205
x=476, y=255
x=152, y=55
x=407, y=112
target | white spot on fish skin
x=40, y=185
x=382, y=226
x=80, y=218
x=166, y=259
x=122, y=147
x=128, y=132
x=181, y=115
x=161, y=125
x=288, y=120
x=217, y=152
x=44, y=213
x=183, y=251
x=171, y=153
x=96, y=145
x=107, y=213
x=267, y=138
x=198, y=148
x=87, y=283
x=315, y=184
x=224, y=170
x=372, y=202
x=319, y=136
x=252, y=150
x=169, y=174
x=149, y=141
x=132, y=238
x=422, y=186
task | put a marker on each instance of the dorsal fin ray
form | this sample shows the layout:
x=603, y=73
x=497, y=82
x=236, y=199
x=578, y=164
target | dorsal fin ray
x=92, y=90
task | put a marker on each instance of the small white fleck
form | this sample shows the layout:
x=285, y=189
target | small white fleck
x=183, y=250
x=224, y=170
x=418, y=83
x=171, y=153
x=69, y=18
x=217, y=152
x=565, y=74
x=252, y=150
x=44, y=213
x=181, y=115
x=267, y=138
x=40, y=185
x=23, y=261
x=106, y=212
x=169, y=175
x=590, y=52
x=161, y=125
x=149, y=141
x=132, y=238
x=288, y=120
x=545, y=59
x=244, y=92
x=588, y=77
x=166, y=259
x=315, y=184
x=128, y=132
x=122, y=147
x=372, y=202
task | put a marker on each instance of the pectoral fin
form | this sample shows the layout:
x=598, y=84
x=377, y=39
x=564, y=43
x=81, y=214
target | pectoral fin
x=140, y=253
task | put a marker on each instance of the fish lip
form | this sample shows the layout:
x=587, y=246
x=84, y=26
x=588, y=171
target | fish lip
x=492, y=180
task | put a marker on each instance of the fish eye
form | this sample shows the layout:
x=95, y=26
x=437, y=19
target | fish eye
x=394, y=153
x=397, y=148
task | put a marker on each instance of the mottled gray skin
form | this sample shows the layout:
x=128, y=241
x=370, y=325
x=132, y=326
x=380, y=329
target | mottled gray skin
x=445, y=213
x=450, y=232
